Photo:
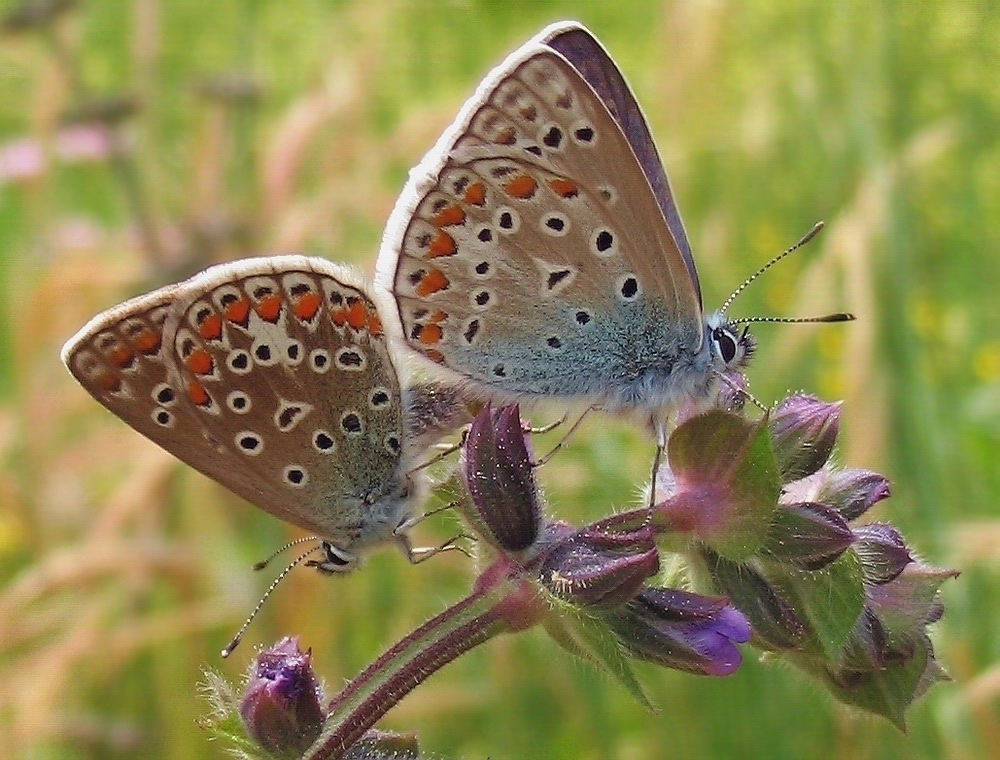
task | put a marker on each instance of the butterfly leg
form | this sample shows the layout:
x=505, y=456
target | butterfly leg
x=660, y=426
x=547, y=428
x=418, y=554
x=565, y=438
x=444, y=451
x=408, y=522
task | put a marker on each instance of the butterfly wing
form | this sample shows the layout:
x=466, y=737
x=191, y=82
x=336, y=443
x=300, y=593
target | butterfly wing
x=529, y=253
x=280, y=384
x=589, y=57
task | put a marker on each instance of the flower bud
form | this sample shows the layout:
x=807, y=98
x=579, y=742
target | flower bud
x=866, y=648
x=888, y=660
x=854, y=492
x=497, y=470
x=681, y=630
x=281, y=703
x=808, y=535
x=776, y=624
x=911, y=600
x=882, y=553
x=732, y=396
x=803, y=431
x=595, y=567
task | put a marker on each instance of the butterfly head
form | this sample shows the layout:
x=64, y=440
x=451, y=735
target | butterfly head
x=731, y=347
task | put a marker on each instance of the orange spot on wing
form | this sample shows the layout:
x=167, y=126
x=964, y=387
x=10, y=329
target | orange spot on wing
x=211, y=327
x=269, y=307
x=197, y=393
x=564, y=187
x=339, y=316
x=522, y=186
x=307, y=305
x=147, y=342
x=449, y=216
x=109, y=381
x=434, y=355
x=374, y=324
x=438, y=317
x=430, y=334
x=238, y=312
x=505, y=137
x=357, y=315
x=475, y=194
x=443, y=245
x=121, y=356
x=432, y=282
x=199, y=362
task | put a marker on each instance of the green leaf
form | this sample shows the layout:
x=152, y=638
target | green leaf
x=830, y=600
x=727, y=480
x=588, y=637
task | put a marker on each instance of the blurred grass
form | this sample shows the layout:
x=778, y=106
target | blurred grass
x=124, y=573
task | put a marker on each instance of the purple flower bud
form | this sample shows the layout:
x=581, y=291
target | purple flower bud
x=803, y=431
x=882, y=552
x=731, y=391
x=281, y=703
x=776, y=624
x=853, y=492
x=808, y=535
x=866, y=648
x=497, y=470
x=888, y=660
x=600, y=567
x=681, y=630
x=911, y=600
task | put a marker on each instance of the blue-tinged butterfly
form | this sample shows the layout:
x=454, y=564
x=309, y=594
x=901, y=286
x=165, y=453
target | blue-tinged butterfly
x=537, y=251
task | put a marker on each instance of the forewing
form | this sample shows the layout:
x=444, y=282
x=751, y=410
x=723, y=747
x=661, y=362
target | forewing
x=590, y=58
x=529, y=253
x=121, y=358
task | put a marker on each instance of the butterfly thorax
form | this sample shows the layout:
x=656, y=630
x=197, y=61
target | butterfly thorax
x=386, y=509
x=662, y=376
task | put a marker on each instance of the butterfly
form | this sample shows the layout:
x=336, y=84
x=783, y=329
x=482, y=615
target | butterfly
x=273, y=377
x=537, y=250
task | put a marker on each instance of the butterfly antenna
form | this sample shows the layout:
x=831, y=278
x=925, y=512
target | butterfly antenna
x=842, y=316
x=264, y=562
x=231, y=646
x=808, y=236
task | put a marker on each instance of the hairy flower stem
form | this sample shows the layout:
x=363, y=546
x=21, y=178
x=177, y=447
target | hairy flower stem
x=459, y=629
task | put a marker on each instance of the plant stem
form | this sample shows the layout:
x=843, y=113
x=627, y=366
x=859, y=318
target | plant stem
x=459, y=629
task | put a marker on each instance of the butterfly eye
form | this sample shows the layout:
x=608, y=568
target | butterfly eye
x=726, y=344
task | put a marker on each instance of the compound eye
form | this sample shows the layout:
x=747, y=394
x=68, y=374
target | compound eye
x=726, y=344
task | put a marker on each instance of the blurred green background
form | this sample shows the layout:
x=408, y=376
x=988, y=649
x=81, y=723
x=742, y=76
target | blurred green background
x=142, y=141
